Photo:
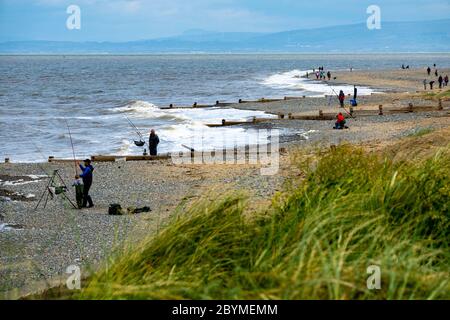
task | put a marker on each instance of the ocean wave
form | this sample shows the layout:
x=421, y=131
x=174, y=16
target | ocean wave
x=296, y=80
x=289, y=79
x=146, y=109
x=125, y=147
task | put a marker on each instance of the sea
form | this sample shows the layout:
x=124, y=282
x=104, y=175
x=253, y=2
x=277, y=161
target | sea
x=43, y=97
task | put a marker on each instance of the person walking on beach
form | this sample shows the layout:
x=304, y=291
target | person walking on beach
x=341, y=98
x=429, y=70
x=431, y=85
x=440, y=80
x=87, y=177
x=424, y=84
x=446, y=80
x=329, y=75
x=436, y=73
x=153, y=142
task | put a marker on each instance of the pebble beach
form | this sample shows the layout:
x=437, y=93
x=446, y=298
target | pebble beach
x=37, y=245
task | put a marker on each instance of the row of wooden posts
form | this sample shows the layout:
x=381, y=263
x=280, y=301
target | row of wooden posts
x=320, y=116
x=224, y=104
x=323, y=116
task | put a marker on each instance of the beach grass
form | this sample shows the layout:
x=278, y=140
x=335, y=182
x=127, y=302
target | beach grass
x=421, y=132
x=350, y=210
x=436, y=95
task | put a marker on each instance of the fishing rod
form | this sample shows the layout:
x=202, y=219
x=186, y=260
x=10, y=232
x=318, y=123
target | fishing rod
x=134, y=127
x=73, y=149
x=38, y=164
x=342, y=107
x=138, y=143
x=189, y=148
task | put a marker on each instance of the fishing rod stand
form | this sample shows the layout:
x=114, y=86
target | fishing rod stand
x=60, y=189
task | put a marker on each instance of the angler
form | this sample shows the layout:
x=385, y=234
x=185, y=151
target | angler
x=87, y=176
x=153, y=142
x=340, y=122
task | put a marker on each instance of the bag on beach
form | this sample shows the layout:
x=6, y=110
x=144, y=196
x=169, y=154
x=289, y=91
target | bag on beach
x=79, y=188
x=115, y=209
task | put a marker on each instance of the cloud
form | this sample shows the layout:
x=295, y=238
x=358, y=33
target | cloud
x=119, y=20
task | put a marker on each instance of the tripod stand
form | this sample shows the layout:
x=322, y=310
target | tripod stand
x=58, y=189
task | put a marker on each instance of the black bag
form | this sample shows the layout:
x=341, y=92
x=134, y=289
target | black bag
x=115, y=209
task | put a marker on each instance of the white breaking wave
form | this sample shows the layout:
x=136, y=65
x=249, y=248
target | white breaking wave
x=296, y=80
x=290, y=79
x=144, y=109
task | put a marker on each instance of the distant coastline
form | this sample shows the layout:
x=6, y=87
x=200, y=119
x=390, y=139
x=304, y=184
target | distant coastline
x=398, y=37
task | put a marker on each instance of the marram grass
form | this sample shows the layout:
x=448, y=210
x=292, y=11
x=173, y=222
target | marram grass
x=353, y=210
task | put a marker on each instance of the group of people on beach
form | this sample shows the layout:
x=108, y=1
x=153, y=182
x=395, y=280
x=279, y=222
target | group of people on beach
x=320, y=74
x=442, y=81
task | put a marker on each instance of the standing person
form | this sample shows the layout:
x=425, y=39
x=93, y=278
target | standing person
x=341, y=98
x=425, y=84
x=446, y=80
x=436, y=72
x=87, y=177
x=440, y=80
x=429, y=70
x=329, y=75
x=153, y=142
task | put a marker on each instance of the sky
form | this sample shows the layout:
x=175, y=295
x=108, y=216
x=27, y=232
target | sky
x=128, y=20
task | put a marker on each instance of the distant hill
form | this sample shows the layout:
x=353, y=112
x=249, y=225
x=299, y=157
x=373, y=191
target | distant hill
x=421, y=36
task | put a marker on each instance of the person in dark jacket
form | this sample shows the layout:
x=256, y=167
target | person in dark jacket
x=431, y=85
x=341, y=98
x=429, y=70
x=87, y=176
x=440, y=80
x=153, y=142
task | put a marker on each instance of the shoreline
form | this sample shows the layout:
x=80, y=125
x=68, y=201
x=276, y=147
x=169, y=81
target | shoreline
x=411, y=83
x=56, y=237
